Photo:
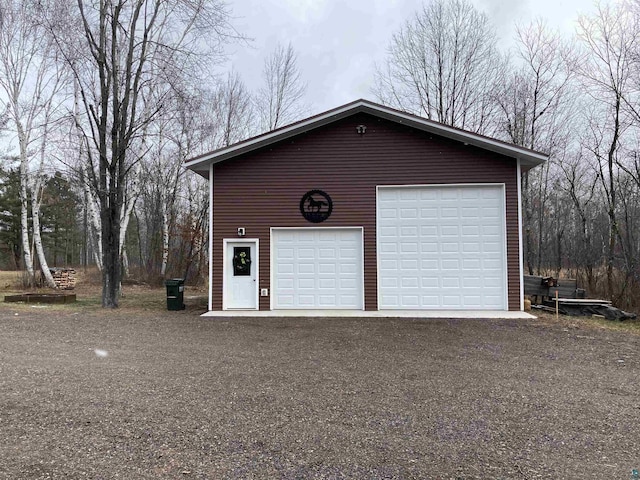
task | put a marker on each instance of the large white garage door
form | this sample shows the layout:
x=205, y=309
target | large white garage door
x=317, y=268
x=441, y=247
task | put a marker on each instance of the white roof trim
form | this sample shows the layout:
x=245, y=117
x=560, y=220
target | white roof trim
x=528, y=158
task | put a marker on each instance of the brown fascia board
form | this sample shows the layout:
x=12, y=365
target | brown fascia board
x=528, y=158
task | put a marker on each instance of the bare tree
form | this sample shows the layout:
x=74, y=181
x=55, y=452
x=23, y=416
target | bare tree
x=280, y=100
x=443, y=64
x=631, y=98
x=609, y=37
x=536, y=104
x=580, y=186
x=126, y=50
x=31, y=82
x=233, y=112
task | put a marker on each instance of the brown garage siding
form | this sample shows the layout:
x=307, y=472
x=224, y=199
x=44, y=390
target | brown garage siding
x=263, y=189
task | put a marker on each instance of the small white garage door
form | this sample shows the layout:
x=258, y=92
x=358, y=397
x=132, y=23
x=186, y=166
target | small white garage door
x=441, y=247
x=317, y=268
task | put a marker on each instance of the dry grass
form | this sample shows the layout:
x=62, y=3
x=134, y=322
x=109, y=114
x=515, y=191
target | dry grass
x=142, y=297
x=596, y=323
x=135, y=297
x=10, y=281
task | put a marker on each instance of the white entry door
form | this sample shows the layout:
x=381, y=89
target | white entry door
x=240, y=275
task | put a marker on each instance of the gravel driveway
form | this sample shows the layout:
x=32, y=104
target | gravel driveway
x=173, y=395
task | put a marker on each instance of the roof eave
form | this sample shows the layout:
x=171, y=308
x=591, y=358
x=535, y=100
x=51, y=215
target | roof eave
x=528, y=158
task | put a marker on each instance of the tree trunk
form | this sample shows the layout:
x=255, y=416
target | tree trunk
x=528, y=217
x=35, y=206
x=613, y=221
x=94, y=227
x=125, y=262
x=111, y=265
x=37, y=240
x=24, y=205
x=132, y=195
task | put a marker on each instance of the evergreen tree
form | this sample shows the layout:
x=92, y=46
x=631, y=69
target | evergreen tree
x=60, y=212
x=10, y=254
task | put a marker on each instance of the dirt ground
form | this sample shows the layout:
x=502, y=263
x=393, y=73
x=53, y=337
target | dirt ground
x=144, y=393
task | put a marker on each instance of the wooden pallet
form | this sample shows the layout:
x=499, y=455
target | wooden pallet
x=42, y=298
x=566, y=288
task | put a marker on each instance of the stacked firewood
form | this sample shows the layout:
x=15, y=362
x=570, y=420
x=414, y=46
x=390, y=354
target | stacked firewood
x=64, y=277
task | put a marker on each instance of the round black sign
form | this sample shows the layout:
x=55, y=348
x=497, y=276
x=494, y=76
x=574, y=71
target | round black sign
x=316, y=206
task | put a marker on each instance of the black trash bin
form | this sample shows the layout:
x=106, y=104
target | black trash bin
x=175, y=293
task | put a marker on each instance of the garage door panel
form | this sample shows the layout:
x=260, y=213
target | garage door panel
x=409, y=231
x=285, y=268
x=306, y=300
x=327, y=269
x=490, y=264
x=346, y=283
x=410, y=282
x=328, y=253
x=428, y=213
x=450, y=282
x=430, y=282
x=408, y=247
x=306, y=268
x=320, y=268
x=471, y=301
x=327, y=283
x=429, y=247
x=456, y=240
x=327, y=300
x=286, y=300
x=453, y=265
x=308, y=283
x=471, y=282
x=471, y=264
x=388, y=213
x=389, y=247
x=471, y=248
x=285, y=283
x=452, y=301
x=449, y=228
x=450, y=247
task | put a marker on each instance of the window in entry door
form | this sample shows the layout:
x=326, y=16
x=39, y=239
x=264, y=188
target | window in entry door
x=241, y=261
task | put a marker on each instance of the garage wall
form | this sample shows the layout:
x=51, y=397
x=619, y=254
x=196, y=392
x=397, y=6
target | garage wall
x=263, y=189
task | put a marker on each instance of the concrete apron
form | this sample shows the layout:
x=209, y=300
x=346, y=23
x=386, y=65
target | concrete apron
x=479, y=314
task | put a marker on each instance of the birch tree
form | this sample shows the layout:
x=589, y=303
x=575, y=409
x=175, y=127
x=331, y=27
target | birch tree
x=126, y=50
x=30, y=81
x=38, y=180
x=93, y=226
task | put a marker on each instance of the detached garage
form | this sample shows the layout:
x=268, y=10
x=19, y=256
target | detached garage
x=366, y=208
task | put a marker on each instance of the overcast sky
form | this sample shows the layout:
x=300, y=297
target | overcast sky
x=339, y=41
